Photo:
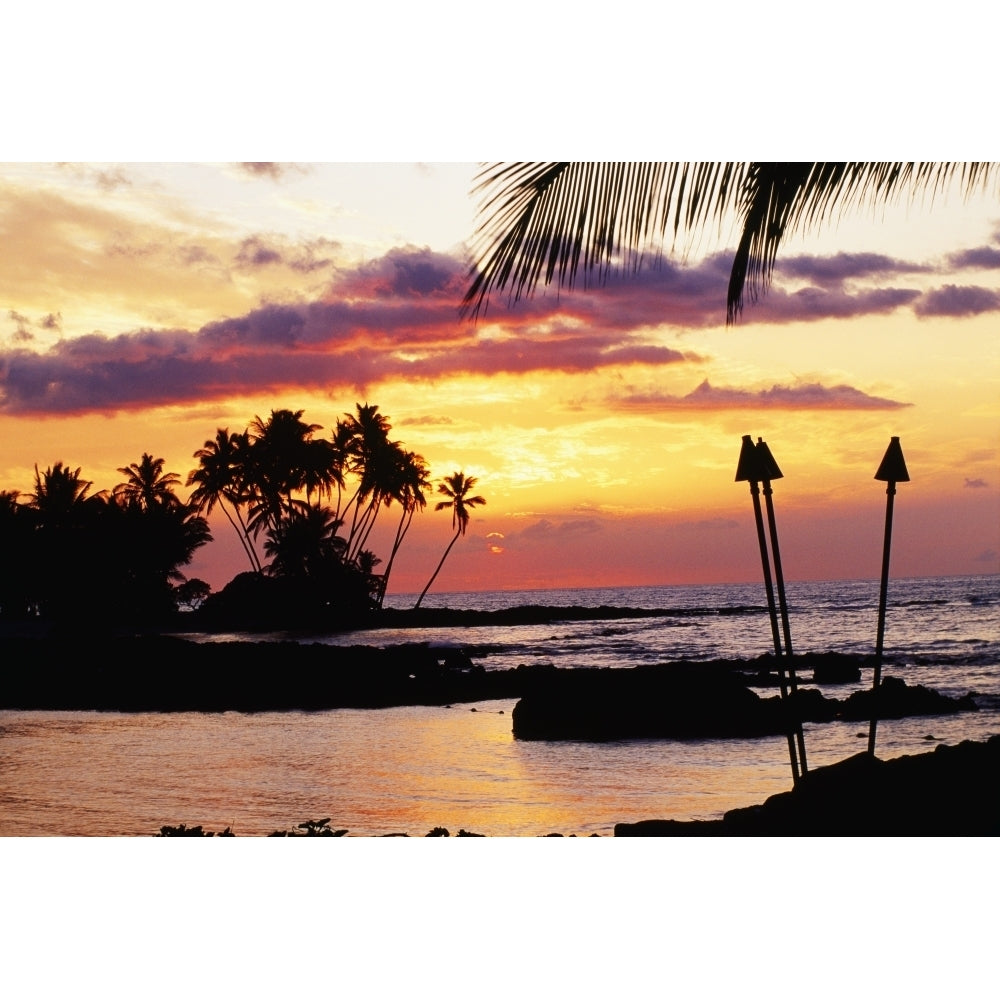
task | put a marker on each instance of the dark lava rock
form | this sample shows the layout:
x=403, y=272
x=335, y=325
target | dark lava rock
x=692, y=701
x=833, y=668
x=897, y=700
x=952, y=791
x=643, y=703
x=170, y=674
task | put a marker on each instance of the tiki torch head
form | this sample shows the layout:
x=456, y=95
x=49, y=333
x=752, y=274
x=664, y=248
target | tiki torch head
x=748, y=467
x=768, y=466
x=893, y=467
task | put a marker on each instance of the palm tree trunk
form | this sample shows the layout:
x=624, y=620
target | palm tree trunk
x=365, y=528
x=401, y=529
x=244, y=541
x=438, y=570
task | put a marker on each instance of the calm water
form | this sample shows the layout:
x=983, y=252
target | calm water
x=407, y=770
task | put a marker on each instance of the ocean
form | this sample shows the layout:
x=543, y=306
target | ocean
x=410, y=770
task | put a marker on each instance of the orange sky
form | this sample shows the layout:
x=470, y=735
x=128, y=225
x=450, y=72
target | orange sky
x=142, y=306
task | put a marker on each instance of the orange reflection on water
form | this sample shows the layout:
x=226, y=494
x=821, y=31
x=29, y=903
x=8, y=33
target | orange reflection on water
x=401, y=770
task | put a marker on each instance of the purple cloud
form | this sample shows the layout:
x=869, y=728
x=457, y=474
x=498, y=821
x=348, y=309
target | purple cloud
x=982, y=257
x=813, y=303
x=393, y=318
x=397, y=317
x=843, y=267
x=958, y=300
x=254, y=252
x=976, y=484
x=811, y=396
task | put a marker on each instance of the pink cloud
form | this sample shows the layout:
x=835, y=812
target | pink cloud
x=810, y=396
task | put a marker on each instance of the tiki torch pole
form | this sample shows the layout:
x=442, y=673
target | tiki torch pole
x=891, y=471
x=769, y=470
x=748, y=470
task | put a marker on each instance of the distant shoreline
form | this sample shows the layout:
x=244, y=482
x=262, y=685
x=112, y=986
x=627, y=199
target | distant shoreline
x=674, y=700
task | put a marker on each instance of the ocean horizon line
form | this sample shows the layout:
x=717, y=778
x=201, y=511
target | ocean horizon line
x=671, y=586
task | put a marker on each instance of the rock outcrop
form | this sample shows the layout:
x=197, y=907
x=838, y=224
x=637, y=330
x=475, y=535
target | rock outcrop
x=952, y=791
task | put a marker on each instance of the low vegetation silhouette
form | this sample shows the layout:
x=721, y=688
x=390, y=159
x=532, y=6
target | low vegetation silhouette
x=302, y=505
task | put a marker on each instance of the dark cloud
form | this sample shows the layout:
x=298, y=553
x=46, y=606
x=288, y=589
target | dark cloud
x=406, y=272
x=843, y=267
x=259, y=251
x=22, y=326
x=809, y=396
x=990, y=556
x=254, y=252
x=814, y=303
x=976, y=484
x=272, y=170
x=23, y=332
x=981, y=257
x=958, y=300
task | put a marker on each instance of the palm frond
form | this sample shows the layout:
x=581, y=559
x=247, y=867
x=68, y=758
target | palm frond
x=783, y=198
x=553, y=222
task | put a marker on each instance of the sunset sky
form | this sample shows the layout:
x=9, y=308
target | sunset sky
x=143, y=306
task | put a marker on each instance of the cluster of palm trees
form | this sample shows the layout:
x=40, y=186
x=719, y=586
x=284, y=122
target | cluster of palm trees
x=315, y=500
x=71, y=555
x=302, y=505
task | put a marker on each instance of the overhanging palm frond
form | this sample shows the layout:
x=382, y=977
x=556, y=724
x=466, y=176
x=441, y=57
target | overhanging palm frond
x=782, y=198
x=545, y=222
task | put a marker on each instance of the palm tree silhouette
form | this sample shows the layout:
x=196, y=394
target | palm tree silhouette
x=414, y=478
x=540, y=222
x=147, y=484
x=369, y=449
x=279, y=454
x=60, y=494
x=456, y=487
x=219, y=477
x=341, y=456
x=304, y=543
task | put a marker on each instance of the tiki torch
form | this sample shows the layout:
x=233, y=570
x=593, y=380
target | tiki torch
x=769, y=470
x=748, y=469
x=891, y=471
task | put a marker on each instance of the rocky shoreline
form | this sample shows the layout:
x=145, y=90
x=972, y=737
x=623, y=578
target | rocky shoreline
x=950, y=792
x=681, y=700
